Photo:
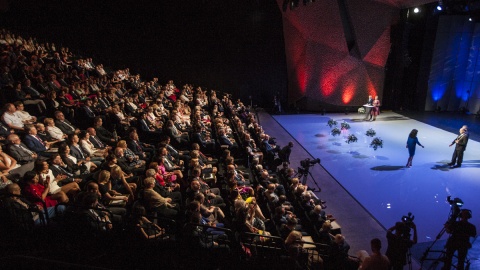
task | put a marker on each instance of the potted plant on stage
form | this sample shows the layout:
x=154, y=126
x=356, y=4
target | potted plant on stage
x=370, y=133
x=345, y=126
x=331, y=123
x=377, y=142
x=351, y=139
x=335, y=131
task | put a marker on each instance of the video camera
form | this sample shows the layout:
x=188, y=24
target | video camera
x=306, y=163
x=408, y=219
x=455, y=204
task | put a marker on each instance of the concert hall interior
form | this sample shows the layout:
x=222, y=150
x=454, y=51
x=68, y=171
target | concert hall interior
x=95, y=93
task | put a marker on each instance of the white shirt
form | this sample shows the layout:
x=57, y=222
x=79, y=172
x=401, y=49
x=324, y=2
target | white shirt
x=23, y=115
x=54, y=187
x=12, y=119
x=55, y=132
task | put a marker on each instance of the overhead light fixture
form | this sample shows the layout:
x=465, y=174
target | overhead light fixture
x=416, y=10
x=294, y=4
x=440, y=5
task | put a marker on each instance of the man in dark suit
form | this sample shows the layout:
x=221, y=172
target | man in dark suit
x=99, y=144
x=460, y=147
x=148, y=133
x=35, y=143
x=224, y=140
x=143, y=150
x=102, y=133
x=88, y=109
x=198, y=137
x=284, y=154
x=317, y=216
x=64, y=125
x=34, y=93
x=20, y=151
x=178, y=137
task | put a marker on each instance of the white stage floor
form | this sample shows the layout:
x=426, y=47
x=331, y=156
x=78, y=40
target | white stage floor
x=379, y=181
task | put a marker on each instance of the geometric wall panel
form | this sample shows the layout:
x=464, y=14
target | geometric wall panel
x=319, y=64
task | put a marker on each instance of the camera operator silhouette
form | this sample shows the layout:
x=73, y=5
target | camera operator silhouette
x=399, y=242
x=459, y=240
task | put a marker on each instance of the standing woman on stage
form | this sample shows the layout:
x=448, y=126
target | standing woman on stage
x=412, y=142
x=376, y=109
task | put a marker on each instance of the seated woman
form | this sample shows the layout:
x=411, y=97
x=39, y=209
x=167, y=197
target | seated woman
x=54, y=131
x=244, y=222
x=211, y=213
x=132, y=159
x=164, y=178
x=119, y=182
x=57, y=186
x=44, y=135
x=106, y=191
x=294, y=246
x=39, y=192
x=146, y=229
x=8, y=165
x=77, y=166
x=89, y=148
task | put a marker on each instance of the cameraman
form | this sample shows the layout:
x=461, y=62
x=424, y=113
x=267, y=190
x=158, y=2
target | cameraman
x=460, y=231
x=399, y=242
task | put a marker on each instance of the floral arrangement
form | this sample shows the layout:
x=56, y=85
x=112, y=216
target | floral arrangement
x=335, y=131
x=331, y=123
x=377, y=142
x=351, y=139
x=371, y=133
x=345, y=126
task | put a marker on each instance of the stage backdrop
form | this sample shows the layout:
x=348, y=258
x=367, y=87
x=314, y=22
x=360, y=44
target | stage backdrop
x=336, y=51
x=454, y=82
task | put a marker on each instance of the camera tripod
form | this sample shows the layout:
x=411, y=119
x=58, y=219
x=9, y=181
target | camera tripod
x=441, y=258
x=304, y=173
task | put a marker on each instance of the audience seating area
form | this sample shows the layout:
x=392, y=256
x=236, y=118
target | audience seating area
x=104, y=168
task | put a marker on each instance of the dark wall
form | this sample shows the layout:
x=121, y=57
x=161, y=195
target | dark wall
x=232, y=46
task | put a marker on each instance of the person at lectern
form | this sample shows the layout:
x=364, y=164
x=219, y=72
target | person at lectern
x=375, y=109
x=368, y=108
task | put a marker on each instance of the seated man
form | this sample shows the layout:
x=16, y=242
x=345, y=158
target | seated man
x=64, y=125
x=266, y=179
x=223, y=139
x=157, y=202
x=102, y=133
x=12, y=120
x=19, y=151
x=144, y=151
x=16, y=200
x=35, y=143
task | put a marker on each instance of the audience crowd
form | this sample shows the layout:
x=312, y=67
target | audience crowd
x=125, y=153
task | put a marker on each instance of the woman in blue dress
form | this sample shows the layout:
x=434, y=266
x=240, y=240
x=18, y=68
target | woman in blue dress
x=412, y=142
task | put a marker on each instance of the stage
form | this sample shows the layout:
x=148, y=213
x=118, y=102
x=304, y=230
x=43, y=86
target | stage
x=378, y=180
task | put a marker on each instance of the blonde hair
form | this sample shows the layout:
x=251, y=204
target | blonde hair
x=48, y=121
x=116, y=170
x=103, y=176
x=122, y=143
x=149, y=181
x=326, y=226
x=292, y=237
